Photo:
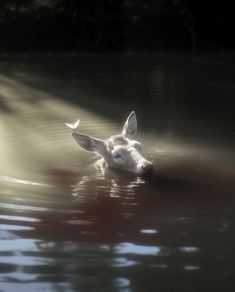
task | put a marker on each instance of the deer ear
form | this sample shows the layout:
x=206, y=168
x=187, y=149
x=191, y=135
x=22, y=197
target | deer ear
x=88, y=143
x=130, y=126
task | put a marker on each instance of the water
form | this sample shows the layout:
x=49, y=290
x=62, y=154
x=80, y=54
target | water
x=68, y=224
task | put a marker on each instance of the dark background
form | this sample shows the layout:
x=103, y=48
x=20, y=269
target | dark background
x=115, y=25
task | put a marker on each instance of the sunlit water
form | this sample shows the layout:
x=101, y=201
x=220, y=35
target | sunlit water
x=68, y=224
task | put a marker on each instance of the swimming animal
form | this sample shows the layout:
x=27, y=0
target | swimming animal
x=119, y=151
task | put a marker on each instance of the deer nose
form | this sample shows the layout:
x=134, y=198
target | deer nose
x=148, y=167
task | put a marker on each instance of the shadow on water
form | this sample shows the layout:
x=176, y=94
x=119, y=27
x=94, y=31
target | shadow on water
x=118, y=226
x=192, y=183
x=157, y=86
x=122, y=224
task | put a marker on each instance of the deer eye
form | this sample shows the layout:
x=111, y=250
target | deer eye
x=116, y=156
x=138, y=146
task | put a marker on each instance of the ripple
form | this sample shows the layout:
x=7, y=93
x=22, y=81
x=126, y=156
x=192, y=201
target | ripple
x=159, y=266
x=22, y=260
x=14, y=180
x=29, y=287
x=23, y=207
x=22, y=277
x=122, y=262
x=78, y=222
x=149, y=231
x=191, y=268
x=121, y=282
x=189, y=249
x=19, y=218
x=131, y=248
x=5, y=235
x=18, y=244
x=15, y=227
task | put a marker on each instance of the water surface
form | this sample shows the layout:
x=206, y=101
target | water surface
x=68, y=224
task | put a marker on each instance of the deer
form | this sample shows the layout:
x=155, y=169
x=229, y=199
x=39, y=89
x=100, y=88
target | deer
x=118, y=151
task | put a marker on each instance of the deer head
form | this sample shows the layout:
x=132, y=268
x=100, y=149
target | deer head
x=119, y=151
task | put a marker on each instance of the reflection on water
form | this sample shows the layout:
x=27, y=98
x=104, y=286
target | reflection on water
x=130, y=248
x=67, y=223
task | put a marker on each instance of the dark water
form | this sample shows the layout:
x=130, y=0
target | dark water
x=67, y=224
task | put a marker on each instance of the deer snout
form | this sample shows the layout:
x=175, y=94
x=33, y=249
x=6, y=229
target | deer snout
x=146, y=168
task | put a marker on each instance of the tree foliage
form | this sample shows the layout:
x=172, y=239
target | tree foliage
x=99, y=25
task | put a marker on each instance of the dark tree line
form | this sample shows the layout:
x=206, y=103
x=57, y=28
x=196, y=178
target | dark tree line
x=99, y=25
